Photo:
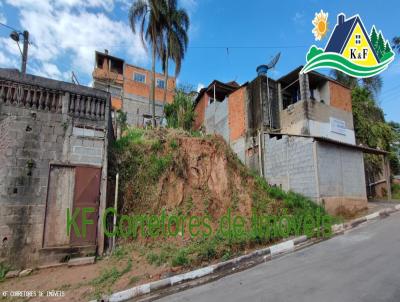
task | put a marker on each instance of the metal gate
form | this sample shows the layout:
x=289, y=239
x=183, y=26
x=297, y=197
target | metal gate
x=86, y=195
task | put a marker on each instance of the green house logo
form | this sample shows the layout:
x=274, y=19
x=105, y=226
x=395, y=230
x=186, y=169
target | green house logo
x=350, y=48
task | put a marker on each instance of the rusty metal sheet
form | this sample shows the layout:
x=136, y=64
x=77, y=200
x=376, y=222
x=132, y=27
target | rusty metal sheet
x=86, y=195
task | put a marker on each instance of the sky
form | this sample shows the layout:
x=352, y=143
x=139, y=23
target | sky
x=228, y=39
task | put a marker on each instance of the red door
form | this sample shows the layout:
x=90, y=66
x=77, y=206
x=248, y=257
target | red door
x=86, y=195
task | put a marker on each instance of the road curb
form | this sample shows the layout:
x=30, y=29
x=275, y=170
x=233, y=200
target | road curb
x=228, y=266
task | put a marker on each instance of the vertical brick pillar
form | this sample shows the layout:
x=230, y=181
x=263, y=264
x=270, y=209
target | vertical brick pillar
x=304, y=87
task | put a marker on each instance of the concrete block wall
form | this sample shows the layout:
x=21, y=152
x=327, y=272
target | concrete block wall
x=239, y=147
x=31, y=140
x=330, y=174
x=37, y=139
x=289, y=163
x=216, y=119
x=135, y=106
x=346, y=169
x=86, y=149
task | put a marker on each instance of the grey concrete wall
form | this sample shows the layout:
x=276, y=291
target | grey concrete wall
x=216, y=119
x=135, y=106
x=31, y=140
x=313, y=118
x=37, y=139
x=239, y=147
x=289, y=163
x=341, y=171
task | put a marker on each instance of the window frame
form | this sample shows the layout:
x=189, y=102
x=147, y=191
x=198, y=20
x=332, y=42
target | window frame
x=160, y=80
x=139, y=74
x=358, y=39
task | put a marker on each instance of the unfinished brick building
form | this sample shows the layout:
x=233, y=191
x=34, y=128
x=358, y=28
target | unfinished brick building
x=296, y=131
x=129, y=86
x=53, y=152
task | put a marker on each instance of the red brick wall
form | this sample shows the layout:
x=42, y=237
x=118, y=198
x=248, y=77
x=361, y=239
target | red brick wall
x=143, y=89
x=116, y=103
x=340, y=97
x=237, y=114
x=200, y=111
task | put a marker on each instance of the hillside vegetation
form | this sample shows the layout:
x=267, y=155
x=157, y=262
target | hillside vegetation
x=178, y=173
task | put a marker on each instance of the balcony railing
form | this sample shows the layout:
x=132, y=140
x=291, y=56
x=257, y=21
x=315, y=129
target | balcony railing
x=52, y=100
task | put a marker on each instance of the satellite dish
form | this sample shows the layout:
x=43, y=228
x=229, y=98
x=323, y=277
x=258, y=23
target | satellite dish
x=263, y=69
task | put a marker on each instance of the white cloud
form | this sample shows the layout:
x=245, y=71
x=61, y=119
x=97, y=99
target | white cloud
x=9, y=53
x=200, y=86
x=50, y=70
x=69, y=31
x=298, y=18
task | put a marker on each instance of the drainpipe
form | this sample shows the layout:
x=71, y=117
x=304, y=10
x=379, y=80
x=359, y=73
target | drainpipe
x=269, y=105
x=116, y=210
x=260, y=153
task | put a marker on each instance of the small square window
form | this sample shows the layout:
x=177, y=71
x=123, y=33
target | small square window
x=358, y=39
x=160, y=84
x=138, y=77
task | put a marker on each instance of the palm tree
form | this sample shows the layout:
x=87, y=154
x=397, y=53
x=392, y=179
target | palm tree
x=176, y=39
x=150, y=15
x=396, y=43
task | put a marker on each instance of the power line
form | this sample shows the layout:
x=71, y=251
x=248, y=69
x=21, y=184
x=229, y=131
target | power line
x=391, y=89
x=204, y=47
x=390, y=94
x=9, y=27
x=248, y=47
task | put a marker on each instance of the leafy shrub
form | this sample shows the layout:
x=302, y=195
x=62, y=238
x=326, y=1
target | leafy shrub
x=180, y=259
x=3, y=270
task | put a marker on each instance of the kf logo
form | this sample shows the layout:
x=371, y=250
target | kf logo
x=72, y=221
x=358, y=55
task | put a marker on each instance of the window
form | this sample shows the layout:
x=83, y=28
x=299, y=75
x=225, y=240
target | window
x=138, y=77
x=358, y=39
x=160, y=84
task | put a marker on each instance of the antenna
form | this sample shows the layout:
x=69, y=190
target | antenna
x=74, y=79
x=263, y=69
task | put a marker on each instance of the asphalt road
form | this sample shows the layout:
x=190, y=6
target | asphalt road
x=362, y=265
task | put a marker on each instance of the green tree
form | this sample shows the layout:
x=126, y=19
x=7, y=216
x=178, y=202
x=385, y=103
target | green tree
x=395, y=154
x=374, y=38
x=176, y=39
x=381, y=46
x=387, y=47
x=149, y=14
x=180, y=113
x=370, y=127
x=122, y=120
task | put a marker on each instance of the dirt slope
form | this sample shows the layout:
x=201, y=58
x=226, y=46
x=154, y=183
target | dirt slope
x=171, y=170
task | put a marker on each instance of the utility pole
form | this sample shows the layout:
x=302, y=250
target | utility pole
x=25, y=51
